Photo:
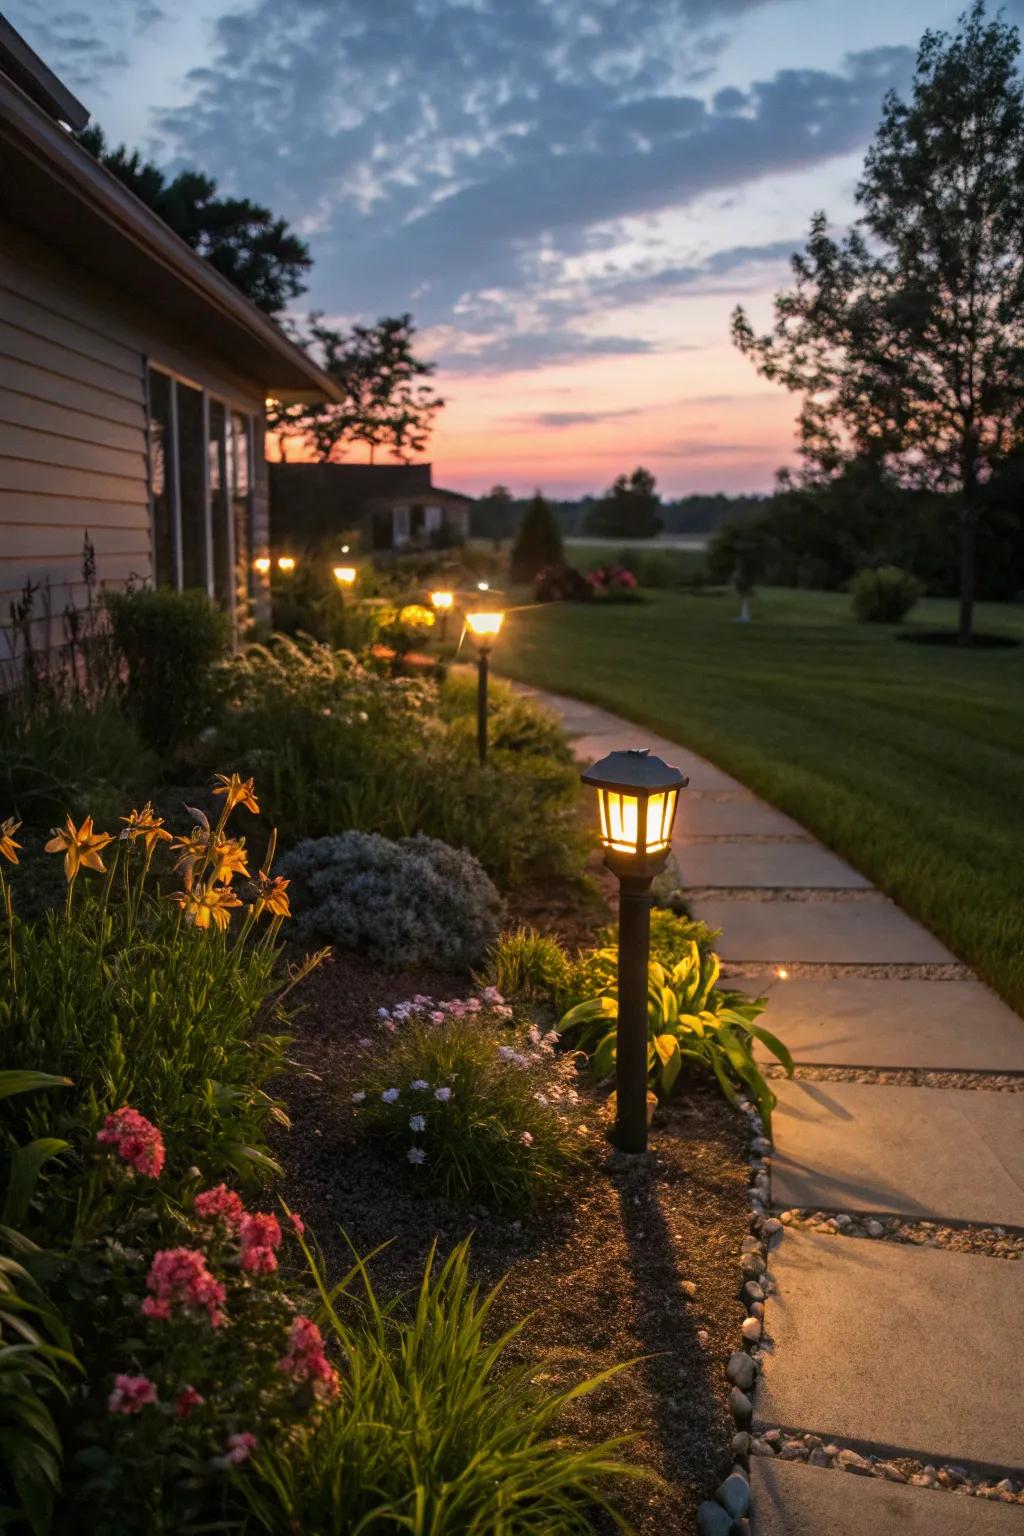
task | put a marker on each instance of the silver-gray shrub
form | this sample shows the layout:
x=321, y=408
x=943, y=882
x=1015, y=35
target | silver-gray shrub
x=413, y=902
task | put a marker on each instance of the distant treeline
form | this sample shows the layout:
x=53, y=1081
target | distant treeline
x=498, y=515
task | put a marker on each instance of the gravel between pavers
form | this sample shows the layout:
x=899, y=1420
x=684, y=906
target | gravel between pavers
x=993, y=1242
x=906, y=1077
x=818, y=1451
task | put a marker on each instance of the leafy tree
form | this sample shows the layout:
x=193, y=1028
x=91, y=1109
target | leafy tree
x=256, y=252
x=538, y=542
x=629, y=510
x=387, y=402
x=906, y=339
x=495, y=515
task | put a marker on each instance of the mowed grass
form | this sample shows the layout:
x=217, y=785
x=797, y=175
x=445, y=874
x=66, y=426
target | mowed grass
x=908, y=760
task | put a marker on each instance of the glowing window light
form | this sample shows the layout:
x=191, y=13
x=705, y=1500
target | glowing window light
x=286, y=563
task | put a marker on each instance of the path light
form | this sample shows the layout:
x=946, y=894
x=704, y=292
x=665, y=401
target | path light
x=286, y=563
x=484, y=626
x=637, y=795
x=345, y=575
x=262, y=564
x=442, y=602
x=483, y=586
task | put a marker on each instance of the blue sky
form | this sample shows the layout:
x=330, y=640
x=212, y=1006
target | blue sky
x=570, y=195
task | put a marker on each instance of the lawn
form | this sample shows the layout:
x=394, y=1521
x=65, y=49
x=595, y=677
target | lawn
x=906, y=759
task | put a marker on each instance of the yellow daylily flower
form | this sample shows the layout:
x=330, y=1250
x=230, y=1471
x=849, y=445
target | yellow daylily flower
x=80, y=846
x=239, y=791
x=271, y=896
x=8, y=846
x=147, y=825
x=192, y=848
x=227, y=859
x=206, y=904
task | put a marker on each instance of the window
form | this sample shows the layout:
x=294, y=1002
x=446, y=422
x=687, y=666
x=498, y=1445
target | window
x=201, y=480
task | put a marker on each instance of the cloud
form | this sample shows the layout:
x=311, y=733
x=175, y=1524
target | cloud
x=85, y=47
x=544, y=420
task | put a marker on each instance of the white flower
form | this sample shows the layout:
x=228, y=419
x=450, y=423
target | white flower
x=419, y=1083
x=382, y=1013
x=360, y=1097
x=502, y=1011
x=390, y=1095
x=506, y=1052
x=417, y=1123
x=527, y=1139
x=416, y=1155
x=442, y=1095
x=542, y=1099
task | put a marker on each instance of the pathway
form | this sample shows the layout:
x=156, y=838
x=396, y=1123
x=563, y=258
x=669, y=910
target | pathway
x=900, y=1343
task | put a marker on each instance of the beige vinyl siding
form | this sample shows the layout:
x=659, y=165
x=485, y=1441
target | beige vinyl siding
x=73, y=450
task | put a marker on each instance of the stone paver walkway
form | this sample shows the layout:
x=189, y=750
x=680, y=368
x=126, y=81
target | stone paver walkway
x=878, y=1346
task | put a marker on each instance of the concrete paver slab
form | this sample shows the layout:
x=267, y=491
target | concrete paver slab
x=860, y=1022
x=750, y=863
x=954, y=1154
x=739, y=814
x=869, y=932
x=790, y=1499
x=894, y=1348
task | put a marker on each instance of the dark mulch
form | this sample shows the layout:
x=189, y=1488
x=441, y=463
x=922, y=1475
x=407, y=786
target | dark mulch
x=602, y=1276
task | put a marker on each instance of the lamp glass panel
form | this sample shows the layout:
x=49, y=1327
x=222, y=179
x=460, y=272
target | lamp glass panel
x=655, y=821
x=620, y=826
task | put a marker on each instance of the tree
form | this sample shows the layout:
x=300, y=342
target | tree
x=256, y=252
x=495, y=515
x=387, y=404
x=906, y=339
x=538, y=542
x=629, y=510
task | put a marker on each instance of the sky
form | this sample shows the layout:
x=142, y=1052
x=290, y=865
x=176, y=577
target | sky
x=570, y=196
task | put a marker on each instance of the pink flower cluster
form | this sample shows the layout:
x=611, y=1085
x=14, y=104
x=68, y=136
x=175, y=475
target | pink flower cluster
x=306, y=1361
x=606, y=577
x=178, y=1277
x=453, y=1007
x=220, y=1204
x=260, y=1236
x=240, y=1448
x=187, y=1399
x=131, y=1394
x=138, y=1142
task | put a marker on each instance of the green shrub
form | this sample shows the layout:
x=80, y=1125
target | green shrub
x=407, y=903
x=64, y=754
x=883, y=596
x=688, y=1021
x=435, y=1430
x=170, y=643
x=516, y=723
x=538, y=542
x=480, y=1111
x=529, y=965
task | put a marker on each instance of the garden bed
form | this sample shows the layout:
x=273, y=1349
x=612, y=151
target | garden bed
x=638, y=1263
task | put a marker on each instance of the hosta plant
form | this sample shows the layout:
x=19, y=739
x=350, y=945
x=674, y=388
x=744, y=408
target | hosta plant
x=689, y=1020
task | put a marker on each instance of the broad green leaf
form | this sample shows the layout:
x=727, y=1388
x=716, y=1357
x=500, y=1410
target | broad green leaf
x=23, y=1080
x=26, y=1164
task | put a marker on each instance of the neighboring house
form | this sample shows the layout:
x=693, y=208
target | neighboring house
x=132, y=379
x=390, y=506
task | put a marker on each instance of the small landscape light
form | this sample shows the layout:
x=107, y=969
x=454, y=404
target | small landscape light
x=484, y=626
x=345, y=549
x=442, y=603
x=262, y=564
x=782, y=973
x=345, y=575
x=286, y=563
x=483, y=586
x=637, y=797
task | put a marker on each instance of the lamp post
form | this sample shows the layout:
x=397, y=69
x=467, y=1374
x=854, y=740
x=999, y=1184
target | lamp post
x=484, y=626
x=442, y=604
x=637, y=795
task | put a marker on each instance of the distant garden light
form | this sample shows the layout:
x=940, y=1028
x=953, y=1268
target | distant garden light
x=345, y=575
x=483, y=586
x=485, y=627
x=262, y=564
x=443, y=602
x=637, y=796
x=286, y=563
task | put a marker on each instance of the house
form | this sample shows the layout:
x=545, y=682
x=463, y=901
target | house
x=132, y=379
x=388, y=506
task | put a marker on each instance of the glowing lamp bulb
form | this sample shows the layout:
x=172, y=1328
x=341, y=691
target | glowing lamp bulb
x=286, y=563
x=484, y=626
x=344, y=575
x=262, y=564
x=483, y=586
x=782, y=973
x=637, y=797
x=442, y=600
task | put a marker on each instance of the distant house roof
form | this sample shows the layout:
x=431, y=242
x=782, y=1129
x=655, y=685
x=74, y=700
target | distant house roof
x=53, y=188
x=314, y=501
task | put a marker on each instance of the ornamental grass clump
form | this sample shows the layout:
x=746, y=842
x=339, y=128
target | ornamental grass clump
x=415, y=902
x=157, y=983
x=434, y=1430
x=477, y=1108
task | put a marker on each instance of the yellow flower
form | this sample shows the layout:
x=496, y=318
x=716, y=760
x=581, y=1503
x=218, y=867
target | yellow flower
x=204, y=904
x=417, y=615
x=81, y=847
x=239, y=792
x=271, y=896
x=7, y=843
x=147, y=825
x=227, y=859
x=192, y=848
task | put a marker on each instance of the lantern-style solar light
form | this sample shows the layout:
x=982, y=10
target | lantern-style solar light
x=484, y=626
x=286, y=563
x=637, y=796
x=442, y=603
x=345, y=575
